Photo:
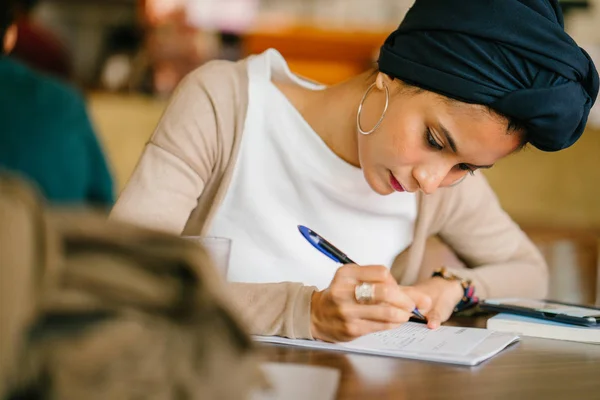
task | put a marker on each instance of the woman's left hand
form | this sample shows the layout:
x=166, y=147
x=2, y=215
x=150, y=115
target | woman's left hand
x=444, y=294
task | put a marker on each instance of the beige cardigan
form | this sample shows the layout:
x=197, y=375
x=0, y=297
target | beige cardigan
x=184, y=172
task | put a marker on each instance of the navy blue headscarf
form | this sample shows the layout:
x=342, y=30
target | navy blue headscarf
x=511, y=55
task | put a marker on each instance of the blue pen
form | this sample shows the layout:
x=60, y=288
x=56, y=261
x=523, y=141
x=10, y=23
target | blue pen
x=333, y=252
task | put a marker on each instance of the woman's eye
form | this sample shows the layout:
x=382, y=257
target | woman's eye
x=435, y=145
x=465, y=167
x=432, y=142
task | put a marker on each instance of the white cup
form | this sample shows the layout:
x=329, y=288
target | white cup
x=218, y=249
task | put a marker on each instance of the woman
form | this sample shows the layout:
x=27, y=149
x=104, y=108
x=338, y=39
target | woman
x=376, y=164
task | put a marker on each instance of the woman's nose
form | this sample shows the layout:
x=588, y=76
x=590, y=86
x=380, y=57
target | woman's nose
x=432, y=177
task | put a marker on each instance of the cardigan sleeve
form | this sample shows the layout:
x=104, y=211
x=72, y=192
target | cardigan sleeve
x=175, y=164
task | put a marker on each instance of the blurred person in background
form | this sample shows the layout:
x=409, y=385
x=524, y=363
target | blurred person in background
x=376, y=164
x=37, y=46
x=46, y=134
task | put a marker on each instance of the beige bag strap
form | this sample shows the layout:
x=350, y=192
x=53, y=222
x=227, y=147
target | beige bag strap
x=23, y=257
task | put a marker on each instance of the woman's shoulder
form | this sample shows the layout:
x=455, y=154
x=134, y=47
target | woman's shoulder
x=205, y=114
x=217, y=90
x=219, y=69
x=220, y=79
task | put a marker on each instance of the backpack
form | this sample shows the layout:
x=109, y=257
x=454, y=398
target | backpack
x=92, y=309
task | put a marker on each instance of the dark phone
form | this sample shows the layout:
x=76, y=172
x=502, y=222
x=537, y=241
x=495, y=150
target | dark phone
x=549, y=310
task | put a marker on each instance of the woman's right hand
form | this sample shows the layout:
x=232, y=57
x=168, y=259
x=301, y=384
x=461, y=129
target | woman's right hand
x=336, y=316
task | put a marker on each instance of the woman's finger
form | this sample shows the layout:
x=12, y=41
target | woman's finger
x=422, y=300
x=441, y=311
x=368, y=273
x=383, y=293
x=375, y=312
x=392, y=294
x=360, y=327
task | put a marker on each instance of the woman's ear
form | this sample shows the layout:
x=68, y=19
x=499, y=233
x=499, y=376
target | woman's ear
x=382, y=80
x=10, y=39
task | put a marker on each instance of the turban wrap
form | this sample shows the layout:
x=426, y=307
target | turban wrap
x=513, y=56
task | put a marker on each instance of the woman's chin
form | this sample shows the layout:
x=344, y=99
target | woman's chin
x=378, y=185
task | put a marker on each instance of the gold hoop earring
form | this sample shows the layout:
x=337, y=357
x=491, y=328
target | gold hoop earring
x=360, y=106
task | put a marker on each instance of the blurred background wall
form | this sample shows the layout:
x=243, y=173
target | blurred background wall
x=128, y=55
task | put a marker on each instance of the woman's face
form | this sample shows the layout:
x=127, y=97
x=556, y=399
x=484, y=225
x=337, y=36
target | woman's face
x=427, y=141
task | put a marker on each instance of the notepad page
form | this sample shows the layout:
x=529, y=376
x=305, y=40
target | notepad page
x=417, y=338
x=448, y=344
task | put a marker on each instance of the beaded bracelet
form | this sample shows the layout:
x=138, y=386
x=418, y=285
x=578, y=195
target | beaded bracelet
x=469, y=299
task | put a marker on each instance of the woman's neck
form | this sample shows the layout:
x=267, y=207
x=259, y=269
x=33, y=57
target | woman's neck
x=331, y=113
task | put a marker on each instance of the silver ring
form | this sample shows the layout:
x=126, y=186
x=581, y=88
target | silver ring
x=364, y=292
x=360, y=106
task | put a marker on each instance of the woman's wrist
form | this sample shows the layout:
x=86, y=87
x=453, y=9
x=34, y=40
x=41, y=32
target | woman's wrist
x=452, y=286
x=467, y=297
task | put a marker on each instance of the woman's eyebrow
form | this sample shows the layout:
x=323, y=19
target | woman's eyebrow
x=452, y=144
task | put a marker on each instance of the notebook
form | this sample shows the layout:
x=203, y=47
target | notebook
x=447, y=344
x=541, y=328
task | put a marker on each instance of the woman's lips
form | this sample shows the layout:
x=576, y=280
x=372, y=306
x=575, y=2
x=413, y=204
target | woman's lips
x=395, y=184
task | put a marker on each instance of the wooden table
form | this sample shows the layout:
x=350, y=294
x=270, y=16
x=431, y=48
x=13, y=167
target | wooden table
x=530, y=369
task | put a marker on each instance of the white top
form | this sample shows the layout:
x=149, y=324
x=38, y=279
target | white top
x=286, y=176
